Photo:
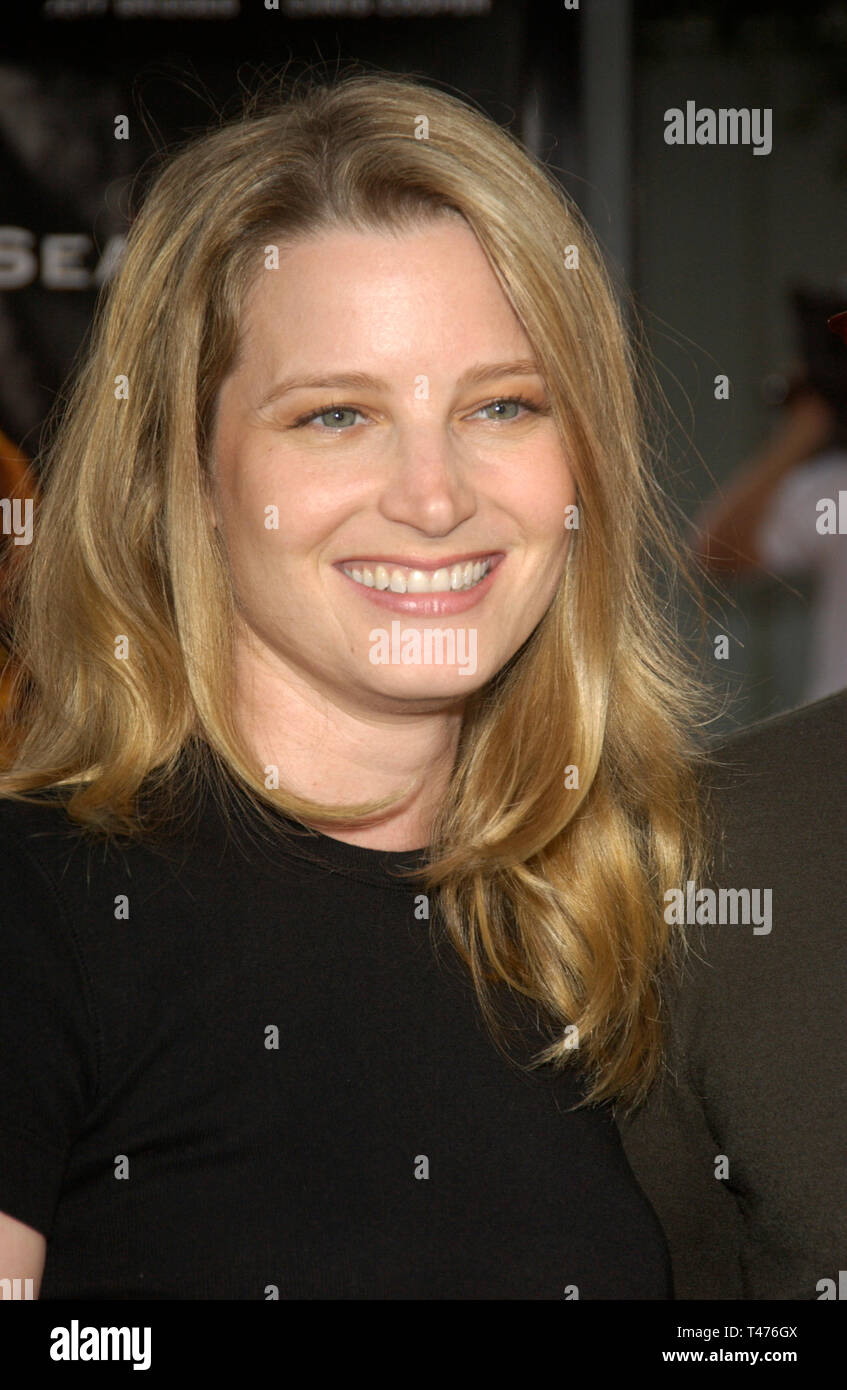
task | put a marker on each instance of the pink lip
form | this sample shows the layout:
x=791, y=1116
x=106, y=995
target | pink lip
x=427, y=605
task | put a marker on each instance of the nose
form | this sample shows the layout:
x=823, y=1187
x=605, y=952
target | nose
x=430, y=485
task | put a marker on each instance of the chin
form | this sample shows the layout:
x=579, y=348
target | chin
x=426, y=688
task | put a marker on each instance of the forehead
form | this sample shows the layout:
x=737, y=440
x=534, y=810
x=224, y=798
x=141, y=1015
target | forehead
x=381, y=291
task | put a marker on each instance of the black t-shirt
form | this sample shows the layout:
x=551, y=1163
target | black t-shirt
x=244, y=1070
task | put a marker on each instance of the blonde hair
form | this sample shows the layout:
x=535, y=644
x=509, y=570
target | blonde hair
x=552, y=891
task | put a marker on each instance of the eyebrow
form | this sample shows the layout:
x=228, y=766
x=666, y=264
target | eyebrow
x=474, y=376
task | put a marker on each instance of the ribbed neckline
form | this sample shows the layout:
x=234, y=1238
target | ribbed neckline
x=377, y=866
x=221, y=798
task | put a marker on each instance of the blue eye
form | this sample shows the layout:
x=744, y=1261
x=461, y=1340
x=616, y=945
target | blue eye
x=334, y=410
x=508, y=400
x=338, y=424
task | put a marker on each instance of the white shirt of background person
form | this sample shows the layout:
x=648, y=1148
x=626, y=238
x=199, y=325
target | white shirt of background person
x=789, y=542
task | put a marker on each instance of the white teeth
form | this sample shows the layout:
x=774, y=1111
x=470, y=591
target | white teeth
x=410, y=581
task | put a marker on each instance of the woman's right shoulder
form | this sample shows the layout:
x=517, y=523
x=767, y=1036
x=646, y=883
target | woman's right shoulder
x=38, y=840
x=38, y=834
x=38, y=821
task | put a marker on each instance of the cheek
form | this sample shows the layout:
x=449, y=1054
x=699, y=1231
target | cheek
x=246, y=486
x=559, y=475
x=268, y=503
x=241, y=499
x=541, y=493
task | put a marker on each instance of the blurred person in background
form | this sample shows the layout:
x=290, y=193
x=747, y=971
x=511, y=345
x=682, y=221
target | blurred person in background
x=770, y=517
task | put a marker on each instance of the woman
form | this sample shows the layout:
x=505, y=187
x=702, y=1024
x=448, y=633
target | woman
x=344, y=570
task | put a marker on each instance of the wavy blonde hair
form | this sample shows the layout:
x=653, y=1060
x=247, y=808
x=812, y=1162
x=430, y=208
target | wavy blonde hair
x=550, y=893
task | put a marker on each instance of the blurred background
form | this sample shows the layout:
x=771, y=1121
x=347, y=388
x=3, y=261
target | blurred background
x=735, y=259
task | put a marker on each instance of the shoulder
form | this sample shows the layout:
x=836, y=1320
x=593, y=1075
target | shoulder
x=766, y=927
x=195, y=839
x=758, y=1031
x=46, y=855
x=804, y=731
x=41, y=814
x=783, y=781
x=774, y=925
x=36, y=840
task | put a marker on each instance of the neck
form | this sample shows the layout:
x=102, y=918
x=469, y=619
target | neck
x=337, y=749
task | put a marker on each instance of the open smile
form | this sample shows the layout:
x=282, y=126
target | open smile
x=431, y=591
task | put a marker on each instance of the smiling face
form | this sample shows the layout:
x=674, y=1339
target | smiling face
x=419, y=510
